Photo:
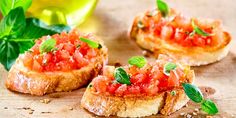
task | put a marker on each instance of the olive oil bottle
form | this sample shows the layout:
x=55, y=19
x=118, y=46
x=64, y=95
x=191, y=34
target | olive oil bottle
x=71, y=12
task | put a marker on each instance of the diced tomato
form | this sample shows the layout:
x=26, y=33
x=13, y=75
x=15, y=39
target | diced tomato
x=28, y=60
x=100, y=84
x=79, y=58
x=183, y=22
x=69, y=53
x=199, y=41
x=179, y=35
x=37, y=66
x=167, y=32
x=133, y=89
x=139, y=78
x=121, y=89
x=69, y=48
x=112, y=88
x=173, y=80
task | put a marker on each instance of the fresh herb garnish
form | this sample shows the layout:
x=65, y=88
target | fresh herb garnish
x=138, y=61
x=47, y=46
x=209, y=107
x=173, y=92
x=168, y=67
x=194, y=93
x=140, y=25
x=121, y=76
x=17, y=33
x=91, y=43
x=198, y=30
x=162, y=7
x=7, y=5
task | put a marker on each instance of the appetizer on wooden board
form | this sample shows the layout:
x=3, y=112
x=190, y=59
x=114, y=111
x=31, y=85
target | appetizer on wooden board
x=194, y=41
x=61, y=62
x=140, y=89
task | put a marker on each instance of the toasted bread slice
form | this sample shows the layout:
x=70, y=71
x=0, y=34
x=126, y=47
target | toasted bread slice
x=24, y=80
x=193, y=55
x=164, y=102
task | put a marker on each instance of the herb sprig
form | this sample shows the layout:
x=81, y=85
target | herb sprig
x=138, y=61
x=194, y=93
x=17, y=33
x=162, y=7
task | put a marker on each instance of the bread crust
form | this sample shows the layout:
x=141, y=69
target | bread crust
x=193, y=56
x=23, y=80
x=135, y=106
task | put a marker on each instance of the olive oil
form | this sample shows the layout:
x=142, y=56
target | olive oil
x=71, y=12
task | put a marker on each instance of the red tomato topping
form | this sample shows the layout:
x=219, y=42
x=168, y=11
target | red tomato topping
x=69, y=53
x=178, y=28
x=148, y=80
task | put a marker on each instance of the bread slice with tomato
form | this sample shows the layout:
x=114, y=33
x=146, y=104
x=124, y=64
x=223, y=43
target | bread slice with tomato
x=195, y=41
x=138, y=90
x=61, y=62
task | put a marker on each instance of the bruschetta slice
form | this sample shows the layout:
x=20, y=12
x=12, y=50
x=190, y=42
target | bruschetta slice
x=61, y=62
x=134, y=91
x=194, y=41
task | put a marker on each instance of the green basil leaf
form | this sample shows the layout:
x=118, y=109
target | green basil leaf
x=209, y=107
x=198, y=30
x=7, y=5
x=162, y=7
x=91, y=43
x=13, y=24
x=138, y=61
x=193, y=92
x=9, y=51
x=47, y=45
x=36, y=29
x=24, y=46
x=121, y=76
x=168, y=67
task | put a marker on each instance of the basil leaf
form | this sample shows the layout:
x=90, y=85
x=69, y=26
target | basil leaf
x=209, y=107
x=198, y=30
x=36, y=29
x=47, y=45
x=168, y=67
x=138, y=61
x=9, y=51
x=121, y=76
x=193, y=92
x=91, y=43
x=13, y=24
x=24, y=46
x=7, y=5
x=162, y=7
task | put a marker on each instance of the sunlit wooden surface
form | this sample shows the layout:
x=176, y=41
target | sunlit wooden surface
x=110, y=22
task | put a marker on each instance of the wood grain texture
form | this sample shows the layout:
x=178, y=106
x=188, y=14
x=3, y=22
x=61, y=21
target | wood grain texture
x=110, y=22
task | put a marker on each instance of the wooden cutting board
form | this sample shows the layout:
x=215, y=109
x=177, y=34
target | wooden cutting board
x=111, y=22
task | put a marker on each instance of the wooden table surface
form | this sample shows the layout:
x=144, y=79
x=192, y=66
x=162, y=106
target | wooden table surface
x=110, y=22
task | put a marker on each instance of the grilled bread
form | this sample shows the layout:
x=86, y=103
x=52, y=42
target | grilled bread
x=56, y=71
x=174, y=35
x=103, y=98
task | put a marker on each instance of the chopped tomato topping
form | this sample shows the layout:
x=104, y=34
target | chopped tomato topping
x=68, y=54
x=179, y=29
x=148, y=80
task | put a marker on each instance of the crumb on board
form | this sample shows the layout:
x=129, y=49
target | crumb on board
x=45, y=101
x=44, y=112
x=182, y=114
x=30, y=110
x=70, y=108
x=5, y=108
